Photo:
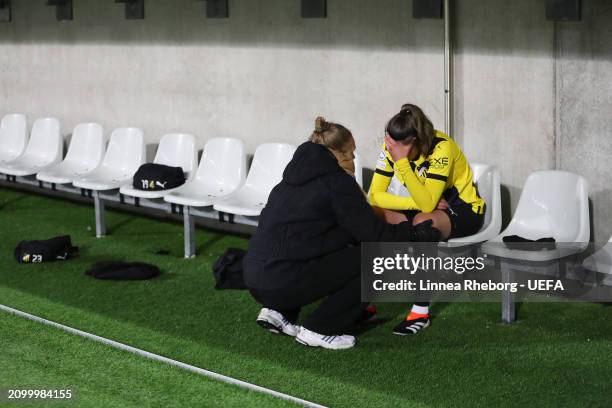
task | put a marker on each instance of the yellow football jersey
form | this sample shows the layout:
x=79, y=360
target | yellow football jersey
x=444, y=173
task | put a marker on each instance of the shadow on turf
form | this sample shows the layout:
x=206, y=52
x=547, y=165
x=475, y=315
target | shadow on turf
x=11, y=201
x=209, y=243
x=371, y=325
x=119, y=225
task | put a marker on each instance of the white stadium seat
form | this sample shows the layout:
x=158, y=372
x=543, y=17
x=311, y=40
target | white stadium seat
x=176, y=150
x=266, y=171
x=554, y=204
x=222, y=171
x=13, y=136
x=85, y=153
x=487, y=179
x=125, y=153
x=44, y=149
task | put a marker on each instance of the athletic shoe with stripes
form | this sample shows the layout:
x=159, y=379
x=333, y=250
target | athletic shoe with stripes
x=312, y=339
x=276, y=323
x=412, y=326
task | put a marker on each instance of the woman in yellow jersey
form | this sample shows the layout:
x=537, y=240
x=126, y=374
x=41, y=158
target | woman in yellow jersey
x=439, y=180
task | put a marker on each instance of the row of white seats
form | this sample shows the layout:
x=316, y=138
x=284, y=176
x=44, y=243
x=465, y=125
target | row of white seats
x=220, y=180
x=222, y=174
x=90, y=165
x=552, y=204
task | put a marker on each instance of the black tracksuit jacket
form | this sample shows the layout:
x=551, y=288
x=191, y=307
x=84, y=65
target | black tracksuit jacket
x=315, y=210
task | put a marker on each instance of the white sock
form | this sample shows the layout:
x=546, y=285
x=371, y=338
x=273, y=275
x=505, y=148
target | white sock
x=420, y=309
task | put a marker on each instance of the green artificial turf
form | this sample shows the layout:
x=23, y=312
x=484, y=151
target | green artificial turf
x=555, y=355
x=36, y=356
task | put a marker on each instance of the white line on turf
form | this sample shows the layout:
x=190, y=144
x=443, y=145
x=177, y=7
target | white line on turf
x=156, y=357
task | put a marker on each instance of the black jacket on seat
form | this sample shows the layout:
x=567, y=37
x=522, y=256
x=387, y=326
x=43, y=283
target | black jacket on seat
x=315, y=210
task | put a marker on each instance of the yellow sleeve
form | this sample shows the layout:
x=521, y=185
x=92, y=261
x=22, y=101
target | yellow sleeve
x=380, y=183
x=427, y=195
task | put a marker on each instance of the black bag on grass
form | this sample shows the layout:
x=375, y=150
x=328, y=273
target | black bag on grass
x=228, y=270
x=58, y=248
x=118, y=270
x=152, y=177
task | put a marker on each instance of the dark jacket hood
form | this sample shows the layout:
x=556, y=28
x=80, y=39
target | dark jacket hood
x=309, y=162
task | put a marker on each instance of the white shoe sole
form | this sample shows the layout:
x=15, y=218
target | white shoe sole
x=325, y=346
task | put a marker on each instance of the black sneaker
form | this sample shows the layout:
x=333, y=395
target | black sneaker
x=412, y=326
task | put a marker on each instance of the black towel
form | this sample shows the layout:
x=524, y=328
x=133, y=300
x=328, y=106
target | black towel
x=117, y=270
x=517, y=242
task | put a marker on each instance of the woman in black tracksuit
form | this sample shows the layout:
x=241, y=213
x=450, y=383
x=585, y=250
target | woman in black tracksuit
x=306, y=246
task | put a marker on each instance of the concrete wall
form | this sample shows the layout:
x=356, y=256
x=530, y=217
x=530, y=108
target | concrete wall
x=584, y=106
x=530, y=94
x=263, y=75
x=504, y=88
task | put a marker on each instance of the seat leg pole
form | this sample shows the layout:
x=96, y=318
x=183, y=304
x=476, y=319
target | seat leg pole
x=99, y=209
x=189, y=227
x=508, y=300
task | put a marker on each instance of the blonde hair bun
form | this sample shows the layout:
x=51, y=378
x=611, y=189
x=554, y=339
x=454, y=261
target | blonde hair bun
x=330, y=135
x=321, y=125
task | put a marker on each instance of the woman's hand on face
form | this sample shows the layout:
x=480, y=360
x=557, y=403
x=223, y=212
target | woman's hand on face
x=396, y=149
x=442, y=204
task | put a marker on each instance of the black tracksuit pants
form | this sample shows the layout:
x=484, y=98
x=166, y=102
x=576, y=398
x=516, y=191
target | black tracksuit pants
x=336, y=278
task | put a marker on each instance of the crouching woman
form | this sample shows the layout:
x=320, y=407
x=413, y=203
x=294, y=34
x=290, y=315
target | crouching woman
x=306, y=247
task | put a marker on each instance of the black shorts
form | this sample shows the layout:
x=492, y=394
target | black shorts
x=464, y=221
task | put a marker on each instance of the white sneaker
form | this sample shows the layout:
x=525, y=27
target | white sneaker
x=276, y=322
x=312, y=339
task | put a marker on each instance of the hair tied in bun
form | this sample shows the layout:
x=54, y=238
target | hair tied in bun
x=321, y=125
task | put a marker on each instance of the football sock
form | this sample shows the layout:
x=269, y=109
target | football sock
x=418, y=312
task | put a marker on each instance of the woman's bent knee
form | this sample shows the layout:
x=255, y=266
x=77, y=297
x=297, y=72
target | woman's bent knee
x=439, y=219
